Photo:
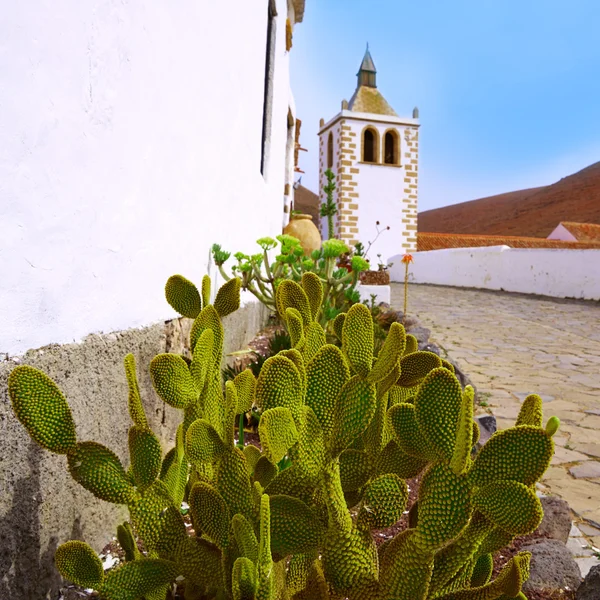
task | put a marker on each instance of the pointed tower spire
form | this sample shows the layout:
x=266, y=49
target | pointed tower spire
x=367, y=73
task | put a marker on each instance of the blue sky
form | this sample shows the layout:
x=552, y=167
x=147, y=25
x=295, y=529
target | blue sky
x=508, y=91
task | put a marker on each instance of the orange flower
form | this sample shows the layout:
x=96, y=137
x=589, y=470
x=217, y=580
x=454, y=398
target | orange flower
x=407, y=258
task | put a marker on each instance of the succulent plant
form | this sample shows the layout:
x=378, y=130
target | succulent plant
x=261, y=276
x=339, y=429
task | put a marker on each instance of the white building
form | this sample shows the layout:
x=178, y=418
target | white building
x=374, y=154
x=134, y=136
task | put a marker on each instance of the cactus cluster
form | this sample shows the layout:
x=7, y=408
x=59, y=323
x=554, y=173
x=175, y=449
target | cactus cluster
x=340, y=432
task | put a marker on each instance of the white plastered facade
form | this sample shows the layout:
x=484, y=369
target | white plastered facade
x=131, y=142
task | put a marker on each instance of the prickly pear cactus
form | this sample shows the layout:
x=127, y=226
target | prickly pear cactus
x=339, y=429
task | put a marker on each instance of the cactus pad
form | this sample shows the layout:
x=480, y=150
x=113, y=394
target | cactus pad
x=390, y=353
x=277, y=432
x=291, y=295
x=136, y=408
x=519, y=453
x=315, y=339
x=279, y=384
x=42, y=409
x=245, y=384
x=326, y=373
x=127, y=542
x=510, y=505
x=133, y=580
x=354, y=409
x=203, y=443
x=99, y=471
x=205, y=291
x=146, y=455
x=444, y=506
x=295, y=326
x=531, y=411
x=183, y=296
x=210, y=513
x=243, y=579
x=437, y=410
x=233, y=483
x=383, y=502
x=314, y=292
x=228, y=297
x=209, y=319
x=294, y=528
x=173, y=381
x=414, y=367
x=357, y=338
x=338, y=325
x=201, y=367
x=77, y=562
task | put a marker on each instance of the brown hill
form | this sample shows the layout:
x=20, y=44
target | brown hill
x=534, y=212
x=307, y=202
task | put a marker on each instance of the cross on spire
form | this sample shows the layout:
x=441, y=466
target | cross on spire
x=367, y=73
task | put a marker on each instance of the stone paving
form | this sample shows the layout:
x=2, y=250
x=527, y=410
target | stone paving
x=512, y=345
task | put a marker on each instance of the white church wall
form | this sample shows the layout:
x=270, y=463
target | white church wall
x=560, y=273
x=131, y=141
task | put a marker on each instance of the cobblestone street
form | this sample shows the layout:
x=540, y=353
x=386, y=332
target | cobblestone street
x=512, y=345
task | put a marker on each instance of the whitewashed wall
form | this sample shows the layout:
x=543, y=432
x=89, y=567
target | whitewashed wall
x=549, y=272
x=130, y=141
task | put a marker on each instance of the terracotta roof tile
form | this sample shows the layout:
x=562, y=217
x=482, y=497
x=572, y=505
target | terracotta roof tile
x=438, y=241
x=583, y=232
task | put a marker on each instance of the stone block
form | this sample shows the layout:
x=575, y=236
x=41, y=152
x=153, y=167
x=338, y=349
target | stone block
x=553, y=567
x=586, y=564
x=579, y=548
x=586, y=470
x=421, y=333
x=487, y=428
x=556, y=523
x=590, y=588
x=589, y=530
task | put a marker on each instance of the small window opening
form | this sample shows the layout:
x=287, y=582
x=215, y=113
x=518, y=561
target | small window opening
x=330, y=151
x=268, y=89
x=391, y=149
x=369, y=146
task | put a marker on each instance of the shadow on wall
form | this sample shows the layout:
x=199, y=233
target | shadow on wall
x=27, y=571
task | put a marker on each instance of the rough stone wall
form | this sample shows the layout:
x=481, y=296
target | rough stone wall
x=40, y=505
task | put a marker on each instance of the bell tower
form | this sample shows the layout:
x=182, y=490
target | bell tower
x=374, y=154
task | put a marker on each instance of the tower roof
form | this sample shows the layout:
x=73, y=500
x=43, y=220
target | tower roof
x=367, y=63
x=367, y=98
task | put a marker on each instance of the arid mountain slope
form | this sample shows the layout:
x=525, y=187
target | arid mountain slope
x=534, y=212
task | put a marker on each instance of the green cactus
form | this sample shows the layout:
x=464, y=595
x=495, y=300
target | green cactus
x=339, y=429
